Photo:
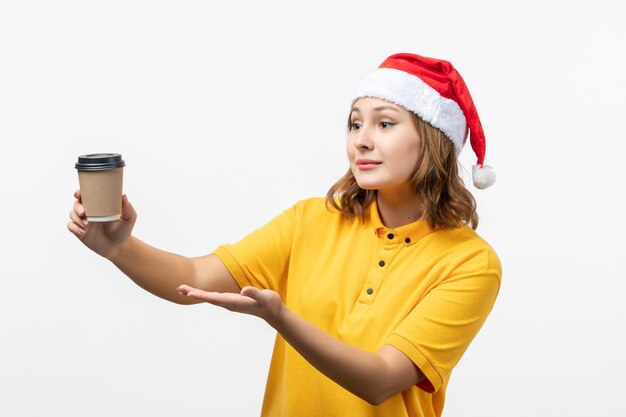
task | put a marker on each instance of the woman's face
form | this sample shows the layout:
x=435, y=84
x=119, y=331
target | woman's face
x=383, y=145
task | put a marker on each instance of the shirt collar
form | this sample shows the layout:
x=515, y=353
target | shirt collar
x=407, y=234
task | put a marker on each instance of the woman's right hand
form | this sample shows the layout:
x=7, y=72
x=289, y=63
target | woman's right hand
x=104, y=238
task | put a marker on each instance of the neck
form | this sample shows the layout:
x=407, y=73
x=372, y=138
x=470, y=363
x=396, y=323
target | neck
x=397, y=209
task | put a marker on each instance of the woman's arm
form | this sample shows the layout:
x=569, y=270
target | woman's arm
x=158, y=271
x=373, y=377
x=153, y=269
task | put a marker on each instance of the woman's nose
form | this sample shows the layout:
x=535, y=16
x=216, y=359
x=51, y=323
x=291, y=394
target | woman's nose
x=363, y=139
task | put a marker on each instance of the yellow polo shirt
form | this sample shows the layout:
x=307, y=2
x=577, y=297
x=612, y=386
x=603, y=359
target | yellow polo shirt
x=426, y=292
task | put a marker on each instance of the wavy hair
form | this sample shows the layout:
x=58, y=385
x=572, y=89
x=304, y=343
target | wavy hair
x=443, y=198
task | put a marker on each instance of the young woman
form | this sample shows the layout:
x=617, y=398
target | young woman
x=375, y=291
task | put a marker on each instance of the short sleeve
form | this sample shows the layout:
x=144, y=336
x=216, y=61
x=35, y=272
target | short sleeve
x=442, y=325
x=261, y=259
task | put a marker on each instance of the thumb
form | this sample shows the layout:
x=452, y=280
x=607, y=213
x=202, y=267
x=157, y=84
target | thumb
x=128, y=212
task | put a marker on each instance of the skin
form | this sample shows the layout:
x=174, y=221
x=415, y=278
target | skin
x=385, y=133
x=381, y=132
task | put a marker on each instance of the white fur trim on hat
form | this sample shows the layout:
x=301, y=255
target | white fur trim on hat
x=415, y=95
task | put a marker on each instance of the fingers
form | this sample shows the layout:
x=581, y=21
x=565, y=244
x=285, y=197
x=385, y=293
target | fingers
x=78, y=219
x=207, y=296
x=128, y=211
x=230, y=301
x=77, y=225
x=184, y=289
x=192, y=292
x=251, y=292
x=78, y=231
x=78, y=206
x=77, y=215
x=78, y=209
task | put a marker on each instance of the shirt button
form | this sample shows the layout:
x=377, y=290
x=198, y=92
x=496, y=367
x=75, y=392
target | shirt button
x=381, y=263
x=390, y=236
x=407, y=240
x=370, y=291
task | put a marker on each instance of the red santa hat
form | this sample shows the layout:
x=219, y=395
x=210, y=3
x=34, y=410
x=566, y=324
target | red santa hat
x=435, y=91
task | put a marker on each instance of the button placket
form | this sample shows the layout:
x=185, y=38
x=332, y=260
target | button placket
x=389, y=244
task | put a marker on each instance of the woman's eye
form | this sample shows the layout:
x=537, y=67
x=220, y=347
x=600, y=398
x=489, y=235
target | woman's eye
x=385, y=125
x=355, y=126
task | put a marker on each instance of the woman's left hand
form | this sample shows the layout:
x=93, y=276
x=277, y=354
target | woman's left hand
x=373, y=376
x=265, y=304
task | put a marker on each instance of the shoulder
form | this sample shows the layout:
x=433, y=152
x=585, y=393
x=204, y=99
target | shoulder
x=315, y=207
x=315, y=217
x=462, y=237
x=307, y=210
x=312, y=202
x=465, y=247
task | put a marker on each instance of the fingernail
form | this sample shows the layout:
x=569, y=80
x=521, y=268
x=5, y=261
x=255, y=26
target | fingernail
x=85, y=222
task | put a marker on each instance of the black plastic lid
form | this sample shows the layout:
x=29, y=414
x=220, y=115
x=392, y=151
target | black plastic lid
x=99, y=162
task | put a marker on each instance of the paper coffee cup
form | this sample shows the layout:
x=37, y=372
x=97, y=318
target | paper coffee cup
x=101, y=177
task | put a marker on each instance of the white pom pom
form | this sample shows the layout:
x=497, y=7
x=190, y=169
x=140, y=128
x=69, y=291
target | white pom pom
x=483, y=176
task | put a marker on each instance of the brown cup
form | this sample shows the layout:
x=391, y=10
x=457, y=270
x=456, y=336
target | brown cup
x=101, y=177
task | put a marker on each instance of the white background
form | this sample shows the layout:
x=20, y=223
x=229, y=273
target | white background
x=229, y=112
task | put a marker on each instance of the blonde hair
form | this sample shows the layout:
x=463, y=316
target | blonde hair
x=444, y=200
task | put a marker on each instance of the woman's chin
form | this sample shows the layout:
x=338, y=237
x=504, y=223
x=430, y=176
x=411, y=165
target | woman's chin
x=367, y=185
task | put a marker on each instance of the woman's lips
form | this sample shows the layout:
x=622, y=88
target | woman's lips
x=367, y=164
